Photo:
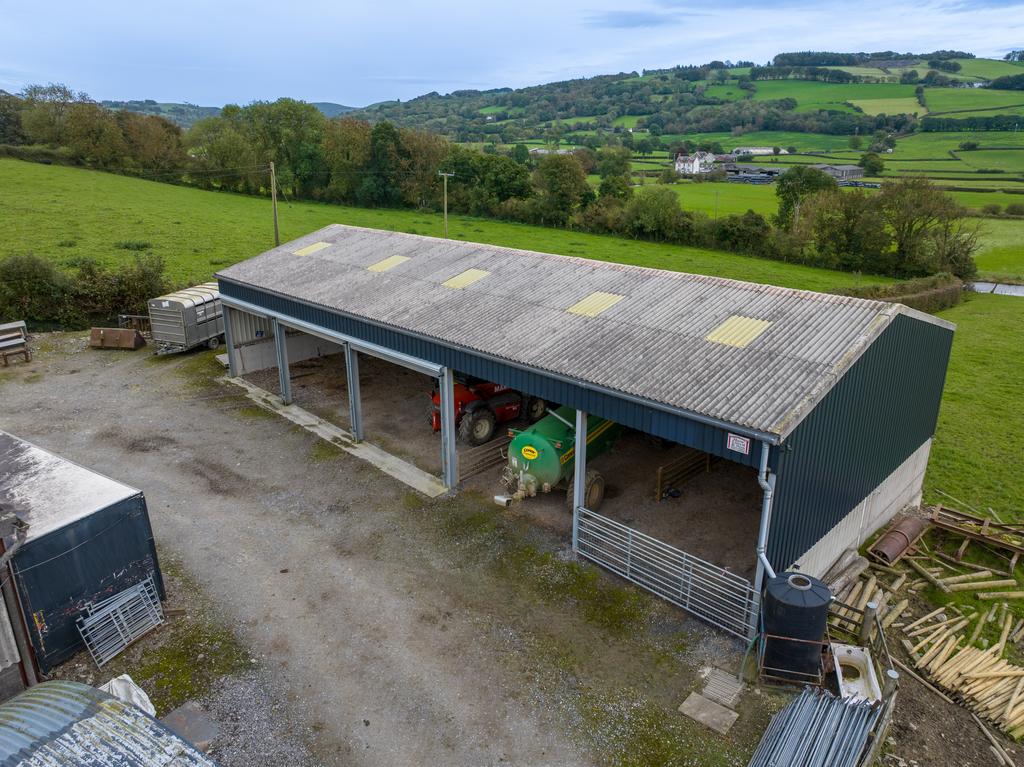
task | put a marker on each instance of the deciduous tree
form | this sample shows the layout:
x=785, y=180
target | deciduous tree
x=796, y=184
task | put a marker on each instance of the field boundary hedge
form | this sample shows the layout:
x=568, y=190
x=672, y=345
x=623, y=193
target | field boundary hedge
x=927, y=294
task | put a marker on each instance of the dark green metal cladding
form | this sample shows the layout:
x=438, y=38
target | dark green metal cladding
x=881, y=411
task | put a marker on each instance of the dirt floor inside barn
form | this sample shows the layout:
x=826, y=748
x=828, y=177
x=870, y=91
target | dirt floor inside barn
x=714, y=517
x=332, y=612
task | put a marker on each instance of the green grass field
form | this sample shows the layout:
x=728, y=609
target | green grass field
x=811, y=95
x=727, y=198
x=922, y=146
x=988, y=69
x=906, y=105
x=968, y=100
x=725, y=92
x=976, y=455
x=1009, y=160
x=977, y=200
x=804, y=142
x=1002, y=251
x=68, y=213
x=627, y=121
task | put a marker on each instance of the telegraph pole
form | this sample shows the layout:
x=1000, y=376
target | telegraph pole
x=445, y=176
x=273, y=202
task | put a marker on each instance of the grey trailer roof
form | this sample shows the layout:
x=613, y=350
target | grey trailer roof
x=652, y=342
x=67, y=723
x=198, y=294
x=49, y=492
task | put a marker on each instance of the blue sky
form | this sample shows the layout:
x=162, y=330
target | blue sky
x=223, y=51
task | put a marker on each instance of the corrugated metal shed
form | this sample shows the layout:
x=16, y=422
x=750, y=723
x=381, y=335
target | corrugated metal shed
x=881, y=411
x=653, y=344
x=66, y=723
x=89, y=537
x=49, y=492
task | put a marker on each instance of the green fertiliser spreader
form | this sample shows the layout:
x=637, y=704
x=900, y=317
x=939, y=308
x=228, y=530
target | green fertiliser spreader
x=542, y=457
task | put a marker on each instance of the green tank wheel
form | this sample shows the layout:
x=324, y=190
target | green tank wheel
x=593, y=490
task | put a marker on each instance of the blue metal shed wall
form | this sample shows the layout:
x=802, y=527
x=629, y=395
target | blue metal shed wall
x=90, y=559
x=880, y=412
x=677, y=428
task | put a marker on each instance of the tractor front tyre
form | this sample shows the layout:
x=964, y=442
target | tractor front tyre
x=535, y=409
x=477, y=426
x=593, y=490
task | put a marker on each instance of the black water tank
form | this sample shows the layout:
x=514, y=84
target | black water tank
x=795, y=606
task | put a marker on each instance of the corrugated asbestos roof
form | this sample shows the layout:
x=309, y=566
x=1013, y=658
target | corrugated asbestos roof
x=651, y=344
x=49, y=492
x=66, y=723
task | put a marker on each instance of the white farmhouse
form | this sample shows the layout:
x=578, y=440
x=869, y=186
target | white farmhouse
x=694, y=164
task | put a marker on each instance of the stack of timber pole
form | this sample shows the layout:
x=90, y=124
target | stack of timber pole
x=986, y=683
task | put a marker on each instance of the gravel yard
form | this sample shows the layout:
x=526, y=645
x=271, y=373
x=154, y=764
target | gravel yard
x=391, y=630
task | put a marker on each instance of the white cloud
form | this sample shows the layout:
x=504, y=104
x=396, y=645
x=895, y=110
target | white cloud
x=212, y=53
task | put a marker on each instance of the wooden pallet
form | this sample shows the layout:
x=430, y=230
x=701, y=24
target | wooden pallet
x=692, y=463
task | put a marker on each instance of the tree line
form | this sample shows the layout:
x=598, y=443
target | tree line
x=349, y=161
x=834, y=59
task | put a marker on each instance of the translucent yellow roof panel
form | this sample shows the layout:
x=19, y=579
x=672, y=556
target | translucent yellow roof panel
x=468, y=277
x=310, y=249
x=738, y=331
x=388, y=263
x=594, y=304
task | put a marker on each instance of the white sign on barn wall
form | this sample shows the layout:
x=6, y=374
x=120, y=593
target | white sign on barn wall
x=738, y=444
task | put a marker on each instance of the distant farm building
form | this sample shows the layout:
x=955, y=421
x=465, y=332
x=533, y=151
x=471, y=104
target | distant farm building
x=753, y=174
x=695, y=164
x=792, y=424
x=841, y=172
x=757, y=150
x=541, y=152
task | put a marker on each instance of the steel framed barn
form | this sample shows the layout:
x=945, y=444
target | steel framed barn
x=832, y=399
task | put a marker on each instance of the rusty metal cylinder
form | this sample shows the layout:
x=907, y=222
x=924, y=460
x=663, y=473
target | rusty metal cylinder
x=894, y=543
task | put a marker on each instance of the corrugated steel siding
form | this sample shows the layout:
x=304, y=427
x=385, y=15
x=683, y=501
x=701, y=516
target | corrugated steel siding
x=652, y=344
x=248, y=328
x=68, y=724
x=877, y=415
x=652, y=420
x=88, y=560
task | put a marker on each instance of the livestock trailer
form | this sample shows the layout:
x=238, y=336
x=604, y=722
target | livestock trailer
x=84, y=538
x=186, y=319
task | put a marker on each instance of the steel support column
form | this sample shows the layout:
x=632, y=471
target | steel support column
x=229, y=341
x=449, y=458
x=579, y=487
x=281, y=347
x=355, y=398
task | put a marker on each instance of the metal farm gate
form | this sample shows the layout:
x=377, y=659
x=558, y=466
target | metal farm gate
x=713, y=594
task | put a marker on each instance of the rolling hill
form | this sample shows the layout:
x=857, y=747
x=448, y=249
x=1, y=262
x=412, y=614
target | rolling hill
x=186, y=115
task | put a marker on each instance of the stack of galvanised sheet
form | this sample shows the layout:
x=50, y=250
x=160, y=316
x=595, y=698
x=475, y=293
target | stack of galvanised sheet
x=817, y=730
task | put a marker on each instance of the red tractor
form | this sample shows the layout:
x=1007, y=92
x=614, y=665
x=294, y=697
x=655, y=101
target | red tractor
x=480, y=406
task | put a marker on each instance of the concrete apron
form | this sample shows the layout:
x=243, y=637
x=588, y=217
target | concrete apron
x=403, y=471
